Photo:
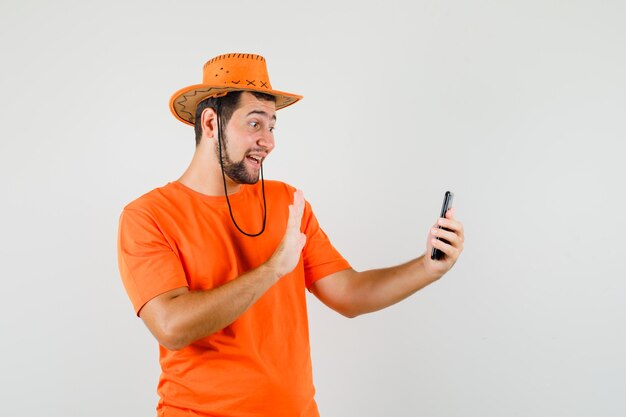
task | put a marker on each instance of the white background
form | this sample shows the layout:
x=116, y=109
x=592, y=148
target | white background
x=517, y=106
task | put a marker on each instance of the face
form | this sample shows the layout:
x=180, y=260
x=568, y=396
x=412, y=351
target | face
x=248, y=139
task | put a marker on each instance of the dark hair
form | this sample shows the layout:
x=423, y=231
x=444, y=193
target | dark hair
x=227, y=105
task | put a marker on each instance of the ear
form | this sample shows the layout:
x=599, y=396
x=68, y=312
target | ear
x=208, y=122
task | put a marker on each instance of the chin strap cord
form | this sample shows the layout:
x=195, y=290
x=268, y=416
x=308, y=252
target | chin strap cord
x=230, y=209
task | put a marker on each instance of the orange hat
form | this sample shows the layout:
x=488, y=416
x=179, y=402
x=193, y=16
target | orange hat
x=223, y=74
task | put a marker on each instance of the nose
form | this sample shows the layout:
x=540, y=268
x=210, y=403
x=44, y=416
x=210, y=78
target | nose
x=266, y=140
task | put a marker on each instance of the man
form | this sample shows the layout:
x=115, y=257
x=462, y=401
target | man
x=217, y=263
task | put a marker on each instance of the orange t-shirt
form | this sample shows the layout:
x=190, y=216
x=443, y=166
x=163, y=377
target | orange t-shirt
x=174, y=237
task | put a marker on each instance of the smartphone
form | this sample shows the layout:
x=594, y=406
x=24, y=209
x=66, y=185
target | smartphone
x=436, y=254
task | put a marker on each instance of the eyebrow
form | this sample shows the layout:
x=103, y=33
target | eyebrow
x=261, y=112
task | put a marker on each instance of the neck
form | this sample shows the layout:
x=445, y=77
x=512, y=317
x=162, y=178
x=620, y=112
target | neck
x=204, y=175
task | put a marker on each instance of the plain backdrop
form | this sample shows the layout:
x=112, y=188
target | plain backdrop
x=519, y=107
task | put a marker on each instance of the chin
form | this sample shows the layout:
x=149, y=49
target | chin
x=248, y=180
x=240, y=175
x=251, y=179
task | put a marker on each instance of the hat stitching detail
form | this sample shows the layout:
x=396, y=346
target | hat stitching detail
x=182, y=101
x=225, y=56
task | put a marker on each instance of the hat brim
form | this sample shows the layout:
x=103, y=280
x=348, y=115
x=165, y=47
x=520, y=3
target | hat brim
x=184, y=102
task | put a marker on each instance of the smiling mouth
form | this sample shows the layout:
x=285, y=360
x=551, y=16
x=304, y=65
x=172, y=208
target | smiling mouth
x=255, y=160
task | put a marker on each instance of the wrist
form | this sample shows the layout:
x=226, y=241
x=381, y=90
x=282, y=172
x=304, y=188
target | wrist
x=270, y=269
x=430, y=275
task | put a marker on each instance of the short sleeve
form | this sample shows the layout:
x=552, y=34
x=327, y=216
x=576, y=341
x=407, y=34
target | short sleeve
x=320, y=256
x=148, y=265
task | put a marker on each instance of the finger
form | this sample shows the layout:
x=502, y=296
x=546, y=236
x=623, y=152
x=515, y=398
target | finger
x=296, y=209
x=451, y=237
x=450, y=213
x=451, y=224
x=298, y=201
x=449, y=250
x=291, y=219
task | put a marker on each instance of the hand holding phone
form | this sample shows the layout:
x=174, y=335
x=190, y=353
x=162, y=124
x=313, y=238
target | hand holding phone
x=436, y=254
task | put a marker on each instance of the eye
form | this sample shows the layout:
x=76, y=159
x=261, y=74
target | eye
x=272, y=129
x=254, y=124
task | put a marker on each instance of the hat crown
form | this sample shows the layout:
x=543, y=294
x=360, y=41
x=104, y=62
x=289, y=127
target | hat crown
x=237, y=70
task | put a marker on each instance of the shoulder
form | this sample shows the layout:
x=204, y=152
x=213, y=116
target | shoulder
x=277, y=190
x=152, y=199
x=153, y=207
x=150, y=212
x=279, y=187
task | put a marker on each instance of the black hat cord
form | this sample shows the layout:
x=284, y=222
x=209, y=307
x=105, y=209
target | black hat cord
x=230, y=210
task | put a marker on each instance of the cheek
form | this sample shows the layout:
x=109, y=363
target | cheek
x=236, y=151
x=241, y=145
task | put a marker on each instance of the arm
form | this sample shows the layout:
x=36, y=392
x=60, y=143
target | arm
x=180, y=317
x=352, y=293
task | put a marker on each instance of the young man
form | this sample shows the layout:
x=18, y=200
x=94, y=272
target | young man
x=217, y=263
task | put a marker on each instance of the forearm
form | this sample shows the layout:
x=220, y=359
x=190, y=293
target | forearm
x=376, y=289
x=192, y=315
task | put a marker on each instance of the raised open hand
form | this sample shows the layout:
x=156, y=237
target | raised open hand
x=287, y=254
